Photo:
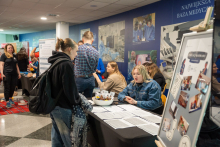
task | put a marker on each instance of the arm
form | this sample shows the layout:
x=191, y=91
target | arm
x=32, y=52
x=69, y=85
x=107, y=85
x=154, y=99
x=18, y=71
x=121, y=95
x=2, y=69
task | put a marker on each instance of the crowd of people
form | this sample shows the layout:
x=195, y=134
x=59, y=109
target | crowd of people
x=79, y=74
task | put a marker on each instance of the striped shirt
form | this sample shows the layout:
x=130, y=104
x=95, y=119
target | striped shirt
x=86, y=60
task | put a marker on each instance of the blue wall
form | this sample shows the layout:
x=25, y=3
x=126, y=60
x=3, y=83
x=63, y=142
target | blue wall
x=167, y=12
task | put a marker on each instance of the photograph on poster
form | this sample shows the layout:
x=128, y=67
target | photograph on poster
x=182, y=67
x=170, y=40
x=195, y=103
x=186, y=83
x=183, y=99
x=111, y=41
x=173, y=109
x=140, y=57
x=204, y=70
x=183, y=126
x=144, y=28
x=202, y=83
x=166, y=124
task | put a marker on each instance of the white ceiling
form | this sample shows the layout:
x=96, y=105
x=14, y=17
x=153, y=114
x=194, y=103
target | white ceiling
x=23, y=16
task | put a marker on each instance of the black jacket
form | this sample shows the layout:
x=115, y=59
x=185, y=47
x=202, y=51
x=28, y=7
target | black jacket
x=159, y=78
x=63, y=77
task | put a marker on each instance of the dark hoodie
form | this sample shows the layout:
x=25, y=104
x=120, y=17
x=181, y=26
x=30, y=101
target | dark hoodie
x=63, y=77
x=159, y=78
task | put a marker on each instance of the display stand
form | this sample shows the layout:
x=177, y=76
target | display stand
x=46, y=46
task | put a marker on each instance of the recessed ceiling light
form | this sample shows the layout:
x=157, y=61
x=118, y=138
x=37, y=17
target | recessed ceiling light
x=1, y=30
x=43, y=18
x=93, y=5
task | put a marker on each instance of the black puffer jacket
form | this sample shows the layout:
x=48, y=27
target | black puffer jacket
x=63, y=77
x=159, y=78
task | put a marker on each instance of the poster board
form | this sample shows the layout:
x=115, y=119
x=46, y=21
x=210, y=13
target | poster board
x=46, y=46
x=189, y=92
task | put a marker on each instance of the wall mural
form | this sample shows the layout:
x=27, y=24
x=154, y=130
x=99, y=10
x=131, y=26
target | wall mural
x=170, y=41
x=112, y=42
x=144, y=28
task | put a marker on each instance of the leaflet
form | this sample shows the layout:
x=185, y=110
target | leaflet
x=152, y=118
x=118, y=123
x=108, y=115
x=128, y=107
x=150, y=128
x=136, y=121
x=113, y=108
x=141, y=113
x=98, y=109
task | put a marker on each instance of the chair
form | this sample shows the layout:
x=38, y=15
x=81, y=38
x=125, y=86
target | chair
x=163, y=97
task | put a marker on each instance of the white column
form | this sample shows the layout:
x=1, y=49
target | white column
x=62, y=30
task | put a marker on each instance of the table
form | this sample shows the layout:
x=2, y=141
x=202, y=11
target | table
x=26, y=84
x=103, y=135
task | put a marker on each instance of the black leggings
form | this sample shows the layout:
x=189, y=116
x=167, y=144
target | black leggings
x=10, y=81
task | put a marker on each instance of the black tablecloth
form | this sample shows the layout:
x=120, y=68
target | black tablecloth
x=26, y=84
x=103, y=135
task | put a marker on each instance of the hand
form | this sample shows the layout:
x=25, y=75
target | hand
x=98, y=71
x=94, y=74
x=130, y=100
x=3, y=76
x=19, y=76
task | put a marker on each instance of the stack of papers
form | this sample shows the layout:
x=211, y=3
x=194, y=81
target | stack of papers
x=150, y=128
x=152, y=118
x=98, y=109
x=136, y=121
x=129, y=107
x=113, y=108
x=118, y=123
x=108, y=115
x=141, y=113
x=125, y=114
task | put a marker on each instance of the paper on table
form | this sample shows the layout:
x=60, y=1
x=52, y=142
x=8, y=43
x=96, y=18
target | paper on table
x=136, y=121
x=152, y=118
x=176, y=85
x=107, y=115
x=113, y=108
x=128, y=107
x=150, y=128
x=124, y=114
x=141, y=112
x=92, y=103
x=98, y=109
x=118, y=123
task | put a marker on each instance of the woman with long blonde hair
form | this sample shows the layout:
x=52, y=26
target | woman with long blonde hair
x=115, y=82
x=10, y=73
x=142, y=91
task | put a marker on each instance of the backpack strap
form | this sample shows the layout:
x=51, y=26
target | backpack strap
x=56, y=62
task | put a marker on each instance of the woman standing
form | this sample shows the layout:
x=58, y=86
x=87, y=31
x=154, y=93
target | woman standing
x=115, y=82
x=10, y=72
x=23, y=61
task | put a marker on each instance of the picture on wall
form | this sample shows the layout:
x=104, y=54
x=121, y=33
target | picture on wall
x=111, y=44
x=173, y=109
x=171, y=36
x=83, y=31
x=186, y=83
x=183, y=99
x=195, y=103
x=166, y=124
x=202, y=83
x=144, y=28
x=140, y=57
x=183, y=126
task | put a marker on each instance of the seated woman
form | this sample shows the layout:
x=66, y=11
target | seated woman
x=99, y=71
x=115, y=81
x=156, y=75
x=142, y=91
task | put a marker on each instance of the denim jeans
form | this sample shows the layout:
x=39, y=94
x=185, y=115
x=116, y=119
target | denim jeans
x=60, y=133
x=86, y=86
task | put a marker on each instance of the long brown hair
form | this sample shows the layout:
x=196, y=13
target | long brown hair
x=63, y=44
x=22, y=54
x=6, y=52
x=115, y=66
x=154, y=69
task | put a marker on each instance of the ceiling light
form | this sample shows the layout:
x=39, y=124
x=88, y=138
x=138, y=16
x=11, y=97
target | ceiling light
x=93, y=5
x=43, y=18
x=1, y=30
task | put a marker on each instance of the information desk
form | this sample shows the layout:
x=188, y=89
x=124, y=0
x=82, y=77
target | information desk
x=26, y=84
x=101, y=134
